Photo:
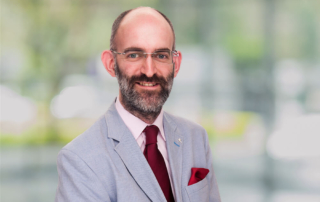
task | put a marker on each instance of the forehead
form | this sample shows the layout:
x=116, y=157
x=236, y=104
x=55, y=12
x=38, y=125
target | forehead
x=146, y=29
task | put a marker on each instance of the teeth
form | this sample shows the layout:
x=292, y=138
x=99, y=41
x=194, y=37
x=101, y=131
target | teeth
x=147, y=84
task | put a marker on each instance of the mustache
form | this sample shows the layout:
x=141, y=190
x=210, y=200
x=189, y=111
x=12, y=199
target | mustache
x=143, y=78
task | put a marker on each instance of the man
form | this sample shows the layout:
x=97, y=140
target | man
x=137, y=152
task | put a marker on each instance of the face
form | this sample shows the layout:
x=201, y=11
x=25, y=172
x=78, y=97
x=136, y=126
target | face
x=145, y=101
x=144, y=86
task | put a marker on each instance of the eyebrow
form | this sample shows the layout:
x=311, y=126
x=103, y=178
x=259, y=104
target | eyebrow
x=132, y=49
x=140, y=49
x=162, y=49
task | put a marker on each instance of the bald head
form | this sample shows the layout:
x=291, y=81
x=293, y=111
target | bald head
x=139, y=15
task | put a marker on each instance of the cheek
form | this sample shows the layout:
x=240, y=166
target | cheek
x=166, y=72
x=127, y=69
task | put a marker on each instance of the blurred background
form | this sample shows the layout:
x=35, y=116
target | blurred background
x=250, y=75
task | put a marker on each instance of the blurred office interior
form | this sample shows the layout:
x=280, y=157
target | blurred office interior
x=250, y=75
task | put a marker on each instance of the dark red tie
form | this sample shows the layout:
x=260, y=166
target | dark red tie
x=156, y=161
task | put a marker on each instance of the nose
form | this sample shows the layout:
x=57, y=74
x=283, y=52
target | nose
x=148, y=67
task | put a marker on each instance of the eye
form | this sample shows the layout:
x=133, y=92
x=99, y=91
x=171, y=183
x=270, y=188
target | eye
x=133, y=55
x=162, y=55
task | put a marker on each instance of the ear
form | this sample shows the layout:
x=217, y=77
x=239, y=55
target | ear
x=108, y=62
x=177, y=62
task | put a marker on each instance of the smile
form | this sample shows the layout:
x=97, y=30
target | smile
x=147, y=84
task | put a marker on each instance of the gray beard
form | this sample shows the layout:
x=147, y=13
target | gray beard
x=146, y=104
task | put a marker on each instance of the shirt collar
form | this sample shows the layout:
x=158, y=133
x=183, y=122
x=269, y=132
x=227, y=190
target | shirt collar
x=136, y=125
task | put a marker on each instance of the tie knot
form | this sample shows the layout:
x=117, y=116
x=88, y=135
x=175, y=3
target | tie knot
x=151, y=134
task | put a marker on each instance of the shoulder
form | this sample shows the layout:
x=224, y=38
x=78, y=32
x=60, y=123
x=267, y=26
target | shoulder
x=182, y=122
x=93, y=137
x=191, y=132
x=193, y=136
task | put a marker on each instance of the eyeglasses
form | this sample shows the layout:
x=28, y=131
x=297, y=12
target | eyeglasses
x=165, y=56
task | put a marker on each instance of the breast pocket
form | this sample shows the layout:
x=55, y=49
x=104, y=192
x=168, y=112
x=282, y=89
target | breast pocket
x=198, y=192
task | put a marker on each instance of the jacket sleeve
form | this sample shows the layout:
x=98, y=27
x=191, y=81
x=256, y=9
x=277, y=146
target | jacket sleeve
x=77, y=181
x=214, y=195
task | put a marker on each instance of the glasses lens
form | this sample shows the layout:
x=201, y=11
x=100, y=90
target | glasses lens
x=133, y=56
x=163, y=56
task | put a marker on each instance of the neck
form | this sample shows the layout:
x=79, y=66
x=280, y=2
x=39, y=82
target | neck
x=147, y=117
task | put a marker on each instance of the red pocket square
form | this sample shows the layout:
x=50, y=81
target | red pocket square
x=197, y=174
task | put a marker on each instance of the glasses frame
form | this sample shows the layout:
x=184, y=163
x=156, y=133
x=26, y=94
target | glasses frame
x=174, y=54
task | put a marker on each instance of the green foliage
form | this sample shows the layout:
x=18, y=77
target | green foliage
x=234, y=128
x=244, y=48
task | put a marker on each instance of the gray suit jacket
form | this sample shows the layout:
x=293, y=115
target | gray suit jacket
x=106, y=164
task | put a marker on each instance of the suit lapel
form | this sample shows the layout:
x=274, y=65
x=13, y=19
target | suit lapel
x=174, y=141
x=131, y=155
